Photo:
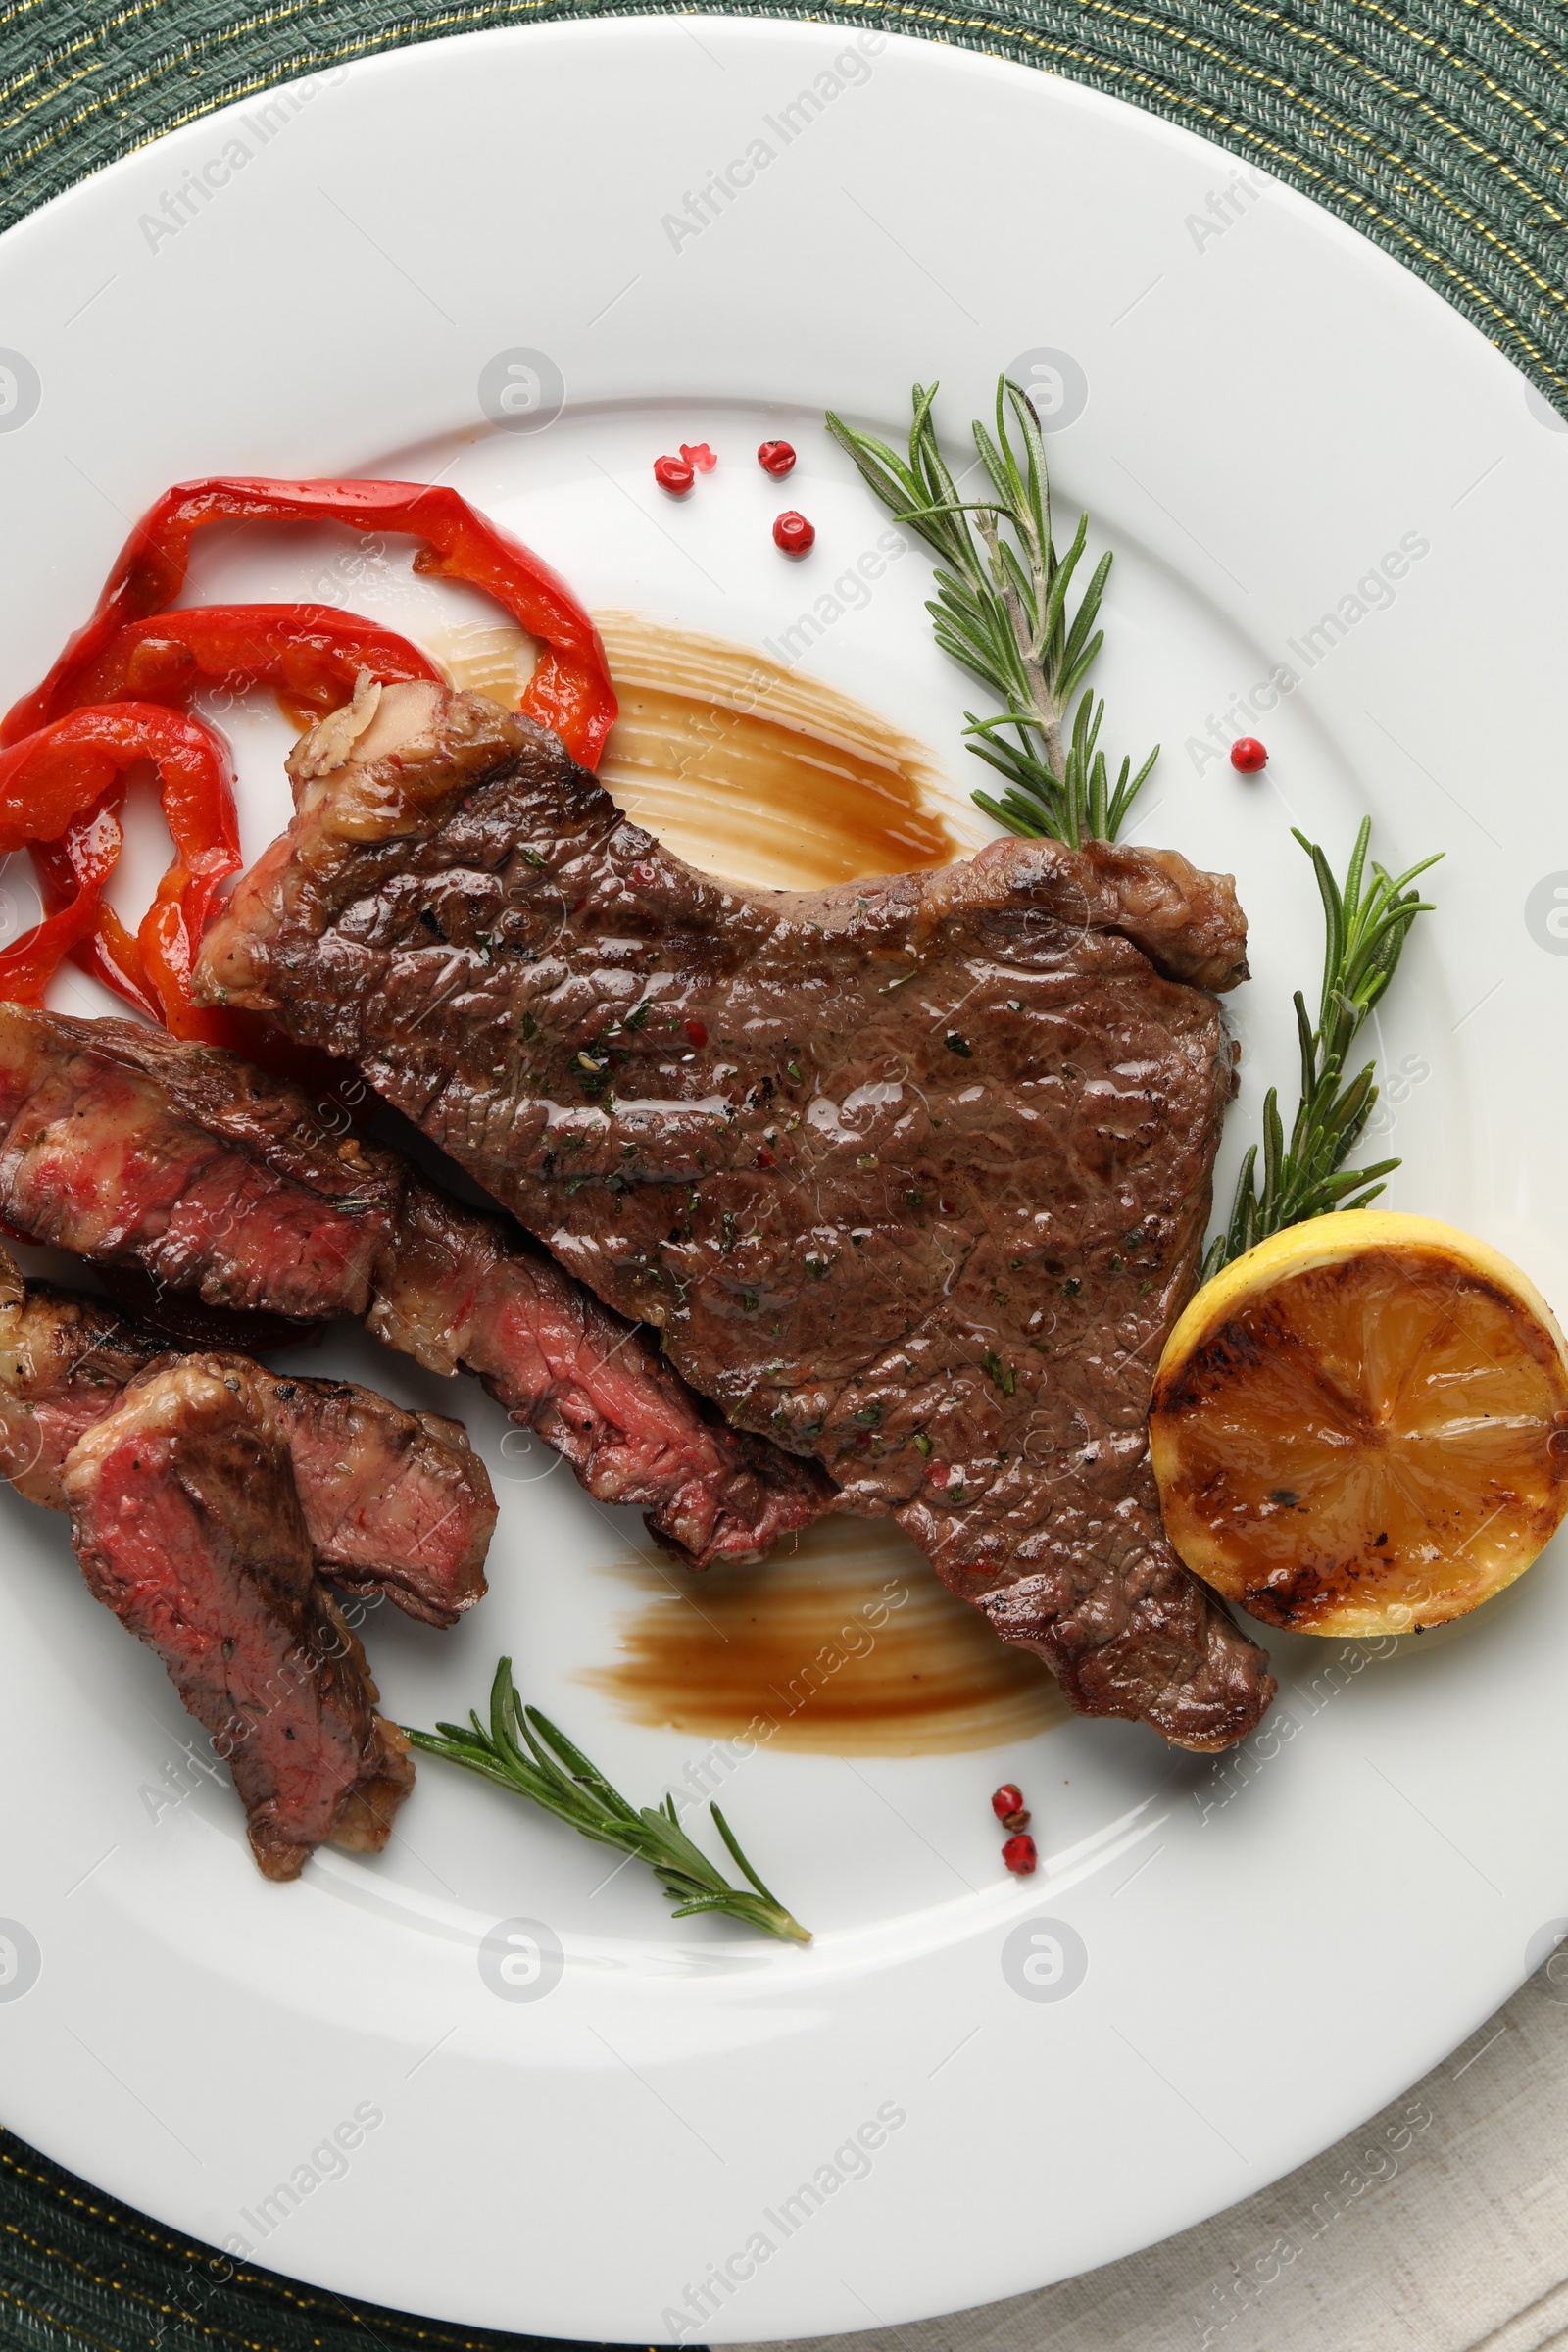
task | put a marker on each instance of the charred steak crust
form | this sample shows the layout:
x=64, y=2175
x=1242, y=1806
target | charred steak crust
x=209, y=1181
x=186, y=1321
x=912, y=1174
x=187, y=1525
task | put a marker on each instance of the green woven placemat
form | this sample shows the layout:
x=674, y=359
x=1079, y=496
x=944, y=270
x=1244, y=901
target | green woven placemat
x=81, y=2274
x=1440, y=131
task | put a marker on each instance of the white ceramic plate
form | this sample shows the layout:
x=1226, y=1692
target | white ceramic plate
x=1260, y=412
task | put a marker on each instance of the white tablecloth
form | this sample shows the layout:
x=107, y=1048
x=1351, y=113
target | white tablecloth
x=1441, y=2225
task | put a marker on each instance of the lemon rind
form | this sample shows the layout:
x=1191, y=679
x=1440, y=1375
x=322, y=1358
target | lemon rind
x=1328, y=1240
x=1299, y=1250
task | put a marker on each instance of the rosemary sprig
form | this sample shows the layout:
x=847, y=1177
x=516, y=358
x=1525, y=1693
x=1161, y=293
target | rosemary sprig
x=1366, y=923
x=523, y=1751
x=1002, y=610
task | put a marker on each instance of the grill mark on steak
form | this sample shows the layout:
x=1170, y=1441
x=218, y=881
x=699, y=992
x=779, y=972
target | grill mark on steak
x=912, y=1173
x=187, y=1525
x=187, y=1166
x=394, y=1503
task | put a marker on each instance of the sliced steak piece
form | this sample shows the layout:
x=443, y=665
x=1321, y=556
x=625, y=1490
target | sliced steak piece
x=191, y=1170
x=65, y=1362
x=393, y=1502
x=458, y=1294
x=187, y=1525
x=912, y=1174
x=130, y=1147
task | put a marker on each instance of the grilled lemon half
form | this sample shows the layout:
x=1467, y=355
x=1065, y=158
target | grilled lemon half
x=1361, y=1426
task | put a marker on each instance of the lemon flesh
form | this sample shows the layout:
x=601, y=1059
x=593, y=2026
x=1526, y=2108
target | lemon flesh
x=1361, y=1426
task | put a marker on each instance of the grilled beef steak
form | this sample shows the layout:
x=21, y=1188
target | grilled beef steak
x=393, y=1502
x=912, y=1174
x=187, y=1525
x=187, y=1165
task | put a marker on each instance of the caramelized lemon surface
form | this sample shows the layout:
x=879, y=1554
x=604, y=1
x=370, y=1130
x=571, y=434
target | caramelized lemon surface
x=1361, y=1426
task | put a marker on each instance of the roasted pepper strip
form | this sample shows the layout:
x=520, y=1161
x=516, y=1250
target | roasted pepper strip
x=569, y=691
x=65, y=772
x=70, y=866
x=26, y=968
x=311, y=654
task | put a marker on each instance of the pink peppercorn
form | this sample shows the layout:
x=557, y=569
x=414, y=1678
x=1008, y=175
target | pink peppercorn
x=794, y=534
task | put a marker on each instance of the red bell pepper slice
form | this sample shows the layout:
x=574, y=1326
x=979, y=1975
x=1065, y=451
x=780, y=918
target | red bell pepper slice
x=312, y=653
x=70, y=771
x=569, y=691
x=71, y=868
x=27, y=967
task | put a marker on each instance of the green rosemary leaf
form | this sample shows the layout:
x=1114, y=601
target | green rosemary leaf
x=1050, y=612
x=1003, y=472
x=741, y=1863
x=883, y=472
x=523, y=1751
x=1126, y=790
x=1073, y=655
x=586, y=1775
x=1363, y=1199
x=1073, y=676
x=1001, y=610
x=1366, y=921
x=999, y=755
x=1014, y=813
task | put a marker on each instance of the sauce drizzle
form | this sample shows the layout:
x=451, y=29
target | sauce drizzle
x=742, y=766
x=848, y=1646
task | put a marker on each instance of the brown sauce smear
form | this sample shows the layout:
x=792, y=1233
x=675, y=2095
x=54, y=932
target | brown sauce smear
x=743, y=767
x=849, y=1645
